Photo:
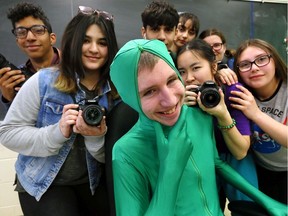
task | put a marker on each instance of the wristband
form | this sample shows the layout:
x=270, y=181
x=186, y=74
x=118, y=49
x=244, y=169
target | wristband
x=228, y=126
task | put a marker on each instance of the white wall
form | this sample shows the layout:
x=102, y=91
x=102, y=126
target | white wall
x=9, y=204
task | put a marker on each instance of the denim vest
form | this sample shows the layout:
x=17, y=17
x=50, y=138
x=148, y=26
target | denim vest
x=36, y=174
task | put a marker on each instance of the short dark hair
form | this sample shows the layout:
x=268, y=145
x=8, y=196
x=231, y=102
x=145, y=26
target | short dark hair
x=159, y=13
x=25, y=9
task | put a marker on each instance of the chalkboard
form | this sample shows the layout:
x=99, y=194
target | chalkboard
x=238, y=20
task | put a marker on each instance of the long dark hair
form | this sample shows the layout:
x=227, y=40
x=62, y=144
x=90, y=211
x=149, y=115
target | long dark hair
x=72, y=42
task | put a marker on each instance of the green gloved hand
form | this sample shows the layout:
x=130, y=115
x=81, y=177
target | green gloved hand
x=175, y=150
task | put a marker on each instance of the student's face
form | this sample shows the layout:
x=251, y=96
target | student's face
x=194, y=69
x=162, y=33
x=185, y=33
x=258, y=77
x=215, y=39
x=161, y=93
x=35, y=46
x=94, y=49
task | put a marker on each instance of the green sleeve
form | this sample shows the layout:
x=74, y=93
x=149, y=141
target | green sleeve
x=133, y=193
x=232, y=177
x=130, y=190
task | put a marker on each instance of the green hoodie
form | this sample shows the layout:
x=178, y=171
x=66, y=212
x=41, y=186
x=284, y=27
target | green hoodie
x=160, y=170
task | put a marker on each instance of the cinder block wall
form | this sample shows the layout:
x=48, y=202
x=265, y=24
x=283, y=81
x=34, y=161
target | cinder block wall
x=9, y=204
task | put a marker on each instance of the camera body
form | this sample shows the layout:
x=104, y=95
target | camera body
x=92, y=112
x=5, y=63
x=221, y=66
x=210, y=96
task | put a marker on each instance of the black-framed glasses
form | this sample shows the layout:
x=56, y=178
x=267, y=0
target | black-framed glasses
x=89, y=11
x=21, y=32
x=216, y=46
x=261, y=61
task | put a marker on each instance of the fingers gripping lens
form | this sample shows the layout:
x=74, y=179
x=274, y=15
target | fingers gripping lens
x=92, y=112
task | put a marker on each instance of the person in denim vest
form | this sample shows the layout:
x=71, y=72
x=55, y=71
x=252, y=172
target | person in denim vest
x=60, y=167
x=34, y=37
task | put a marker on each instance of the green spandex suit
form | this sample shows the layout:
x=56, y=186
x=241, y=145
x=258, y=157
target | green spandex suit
x=160, y=170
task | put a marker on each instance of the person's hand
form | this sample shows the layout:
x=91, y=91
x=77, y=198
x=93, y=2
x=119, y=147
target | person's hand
x=177, y=147
x=87, y=130
x=190, y=96
x=8, y=80
x=227, y=76
x=68, y=119
x=218, y=111
x=244, y=101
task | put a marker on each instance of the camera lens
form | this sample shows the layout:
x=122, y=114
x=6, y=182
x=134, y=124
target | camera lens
x=210, y=97
x=92, y=115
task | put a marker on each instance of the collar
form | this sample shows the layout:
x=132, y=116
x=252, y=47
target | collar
x=55, y=61
x=104, y=89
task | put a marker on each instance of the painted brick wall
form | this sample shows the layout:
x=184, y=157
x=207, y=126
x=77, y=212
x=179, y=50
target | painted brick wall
x=9, y=204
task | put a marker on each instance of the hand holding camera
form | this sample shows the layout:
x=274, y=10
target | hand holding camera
x=210, y=96
x=4, y=63
x=92, y=114
x=10, y=80
x=86, y=118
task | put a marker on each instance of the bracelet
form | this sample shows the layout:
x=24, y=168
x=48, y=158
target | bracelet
x=228, y=126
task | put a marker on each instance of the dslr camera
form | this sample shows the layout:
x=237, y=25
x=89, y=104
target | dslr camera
x=210, y=96
x=221, y=66
x=5, y=63
x=92, y=112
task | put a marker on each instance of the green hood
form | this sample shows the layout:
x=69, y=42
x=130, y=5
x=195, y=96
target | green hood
x=124, y=68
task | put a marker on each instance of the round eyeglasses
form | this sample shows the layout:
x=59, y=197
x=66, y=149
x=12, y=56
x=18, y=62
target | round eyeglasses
x=261, y=61
x=90, y=11
x=22, y=32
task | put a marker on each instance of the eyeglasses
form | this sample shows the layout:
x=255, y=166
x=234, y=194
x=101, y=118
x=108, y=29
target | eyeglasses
x=21, y=32
x=261, y=61
x=216, y=46
x=90, y=11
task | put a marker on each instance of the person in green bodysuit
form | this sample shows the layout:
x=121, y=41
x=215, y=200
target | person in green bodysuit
x=167, y=163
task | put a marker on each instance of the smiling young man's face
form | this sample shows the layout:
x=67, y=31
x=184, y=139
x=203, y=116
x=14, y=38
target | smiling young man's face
x=161, y=93
x=35, y=46
x=163, y=33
